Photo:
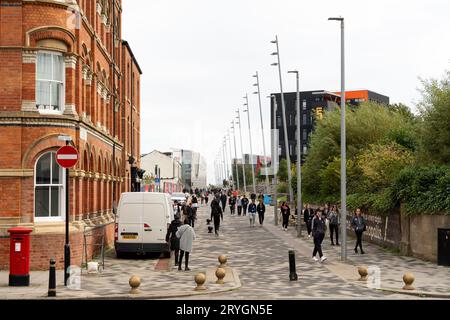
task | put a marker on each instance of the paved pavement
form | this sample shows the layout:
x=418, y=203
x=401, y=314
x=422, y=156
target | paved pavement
x=258, y=268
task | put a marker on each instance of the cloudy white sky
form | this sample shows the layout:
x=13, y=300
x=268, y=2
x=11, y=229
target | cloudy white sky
x=198, y=58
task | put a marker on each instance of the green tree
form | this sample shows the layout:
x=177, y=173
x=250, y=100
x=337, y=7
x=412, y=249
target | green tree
x=435, y=127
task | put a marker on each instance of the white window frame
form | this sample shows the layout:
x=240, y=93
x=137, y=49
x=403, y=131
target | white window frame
x=62, y=97
x=62, y=186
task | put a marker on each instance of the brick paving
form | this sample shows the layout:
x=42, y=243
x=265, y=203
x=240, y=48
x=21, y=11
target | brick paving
x=258, y=268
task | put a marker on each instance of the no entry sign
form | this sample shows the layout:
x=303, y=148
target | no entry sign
x=67, y=157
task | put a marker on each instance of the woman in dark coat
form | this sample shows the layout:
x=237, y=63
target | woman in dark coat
x=172, y=237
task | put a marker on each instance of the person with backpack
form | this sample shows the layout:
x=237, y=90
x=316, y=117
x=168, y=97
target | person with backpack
x=261, y=209
x=318, y=232
x=186, y=234
x=172, y=238
x=335, y=221
x=359, y=225
x=216, y=215
x=285, y=213
x=252, y=213
x=244, y=205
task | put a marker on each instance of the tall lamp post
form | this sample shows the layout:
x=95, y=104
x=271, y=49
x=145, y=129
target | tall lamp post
x=242, y=150
x=250, y=138
x=343, y=148
x=299, y=156
x=283, y=109
x=275, y=147
x=228, y=138
x=262, y=125
x=235, y=155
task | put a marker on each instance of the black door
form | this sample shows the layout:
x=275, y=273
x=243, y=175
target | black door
x=444, y=247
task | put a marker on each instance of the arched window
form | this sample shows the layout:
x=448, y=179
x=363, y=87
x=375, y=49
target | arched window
x=49, y=193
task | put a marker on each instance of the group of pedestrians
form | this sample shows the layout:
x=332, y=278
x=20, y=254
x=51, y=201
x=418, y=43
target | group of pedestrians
x=328, y=218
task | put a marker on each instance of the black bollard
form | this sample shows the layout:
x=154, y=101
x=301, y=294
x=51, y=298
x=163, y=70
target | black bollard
x=52, y=279
x=292, y=271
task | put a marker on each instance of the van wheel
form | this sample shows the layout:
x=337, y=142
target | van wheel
x=167, y=254
x=120, y=255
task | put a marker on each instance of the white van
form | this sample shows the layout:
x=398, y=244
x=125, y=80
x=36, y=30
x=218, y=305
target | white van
x=141, y=223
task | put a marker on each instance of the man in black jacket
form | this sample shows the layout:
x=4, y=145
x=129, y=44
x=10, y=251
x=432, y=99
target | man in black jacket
x=318, y=231
x=223, y=199
x=261, y=209
x=308, y=215
x=216, y=215
x=244, y=204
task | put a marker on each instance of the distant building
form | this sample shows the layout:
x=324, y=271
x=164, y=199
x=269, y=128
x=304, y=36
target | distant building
x=194, y=169
x=162, y=166
x=311, y=102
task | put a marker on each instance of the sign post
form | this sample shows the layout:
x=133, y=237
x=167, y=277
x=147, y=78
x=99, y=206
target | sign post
x=67, y=157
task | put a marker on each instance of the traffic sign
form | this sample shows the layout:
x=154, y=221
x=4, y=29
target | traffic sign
x=67, y=157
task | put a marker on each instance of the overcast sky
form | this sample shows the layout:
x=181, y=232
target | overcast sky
x=198, y=58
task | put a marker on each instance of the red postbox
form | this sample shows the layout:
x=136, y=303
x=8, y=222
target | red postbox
x=19, y=257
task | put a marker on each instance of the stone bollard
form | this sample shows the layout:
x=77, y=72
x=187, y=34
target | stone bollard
x=135, y=282
x=292, y=269
x=220, y=274
x=223, y=261
x=363, y=272
x=52, y=279
x=200, y=280
x=408, y=279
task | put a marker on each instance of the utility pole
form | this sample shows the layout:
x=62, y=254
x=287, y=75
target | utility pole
x=283, y=109
x=262, y=127
x=343, y=149
x=242, y=150
x=299, y=157
x=250, y=138
x=275, y=159
x=235, y=155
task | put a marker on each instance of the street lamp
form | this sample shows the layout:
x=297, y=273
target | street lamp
x=68, y=140
x=299, y=157
x=242, y=149
x=343, y=148
x=235, y=154
x=283, y=108
x=275, y=147
x=262, y=125
x=228, y=138
x=250, y=138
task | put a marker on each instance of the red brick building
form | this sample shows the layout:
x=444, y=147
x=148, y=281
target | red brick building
x=65, y=70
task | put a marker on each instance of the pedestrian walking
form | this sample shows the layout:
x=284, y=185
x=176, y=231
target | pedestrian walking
x=191, y=214
x=239, y=205
x=232, y=204
x=206, y=198
x=261, y=209
x=318, y=231
x=172, y=239
x=223, y=199
x=359, y=225
x=216, y=215
x=244, y=205
x=335, y=221
x=285, y=213
x=186, y=234
x=308, y=215
x=252, y=213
